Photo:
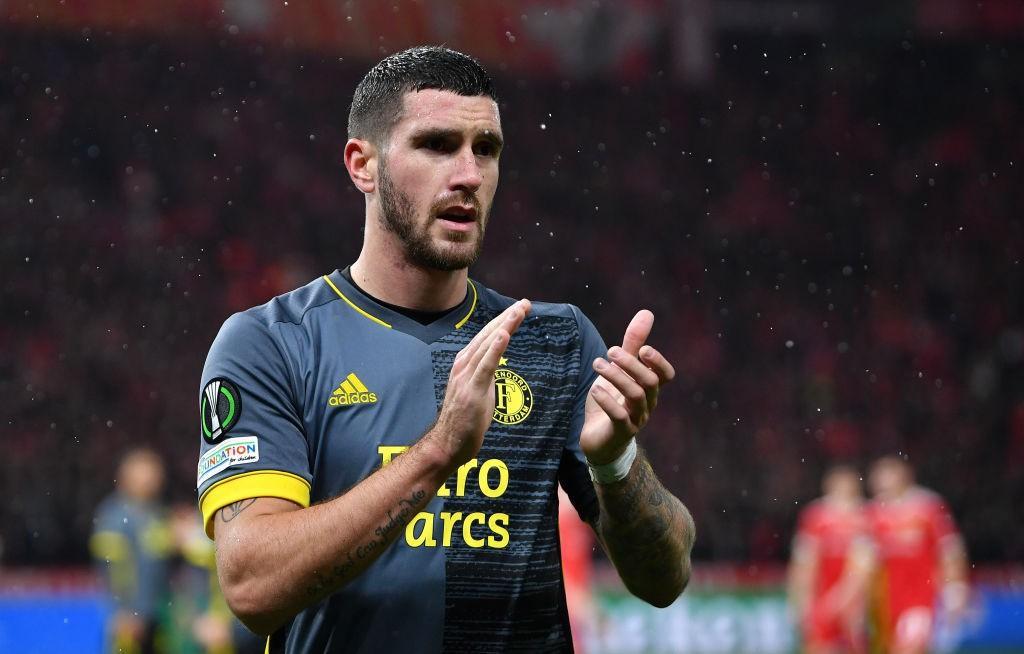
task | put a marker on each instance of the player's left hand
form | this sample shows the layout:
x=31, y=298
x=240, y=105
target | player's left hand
x=622, y=398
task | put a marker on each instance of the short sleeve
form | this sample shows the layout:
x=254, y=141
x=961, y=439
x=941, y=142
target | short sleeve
x=109, y=541
x=252, y=442
x=807, y=532
x=573, y=474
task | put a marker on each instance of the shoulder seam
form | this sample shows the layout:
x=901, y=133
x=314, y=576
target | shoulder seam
x=303, y=316
x=275, y=339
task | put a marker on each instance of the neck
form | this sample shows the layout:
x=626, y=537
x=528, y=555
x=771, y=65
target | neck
x=842, y=501
x=896, y=495
x=383, y=271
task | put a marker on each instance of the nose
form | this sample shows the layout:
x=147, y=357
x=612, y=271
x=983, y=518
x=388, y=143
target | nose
x=467, y=175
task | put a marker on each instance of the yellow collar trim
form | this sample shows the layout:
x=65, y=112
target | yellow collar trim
x=353, y=304
x=472, y=307
x=458, y=325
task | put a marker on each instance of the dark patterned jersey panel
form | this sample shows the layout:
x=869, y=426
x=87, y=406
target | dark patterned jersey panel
x=504, y=582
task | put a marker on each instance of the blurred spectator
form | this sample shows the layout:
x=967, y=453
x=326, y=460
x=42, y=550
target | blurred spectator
x=208, y=625
x=578, y=544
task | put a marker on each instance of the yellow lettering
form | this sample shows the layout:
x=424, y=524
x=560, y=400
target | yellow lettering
x=497, y=522
x=467, y=529
x=426, y=536
x=443, y=491
x=389, y=452
x=420, y=530
x=460, y=483
x=449, y=520
x=503, y=392
x=485, y=482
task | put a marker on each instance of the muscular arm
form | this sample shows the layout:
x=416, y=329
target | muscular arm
x=275, y=558
x=647, y=533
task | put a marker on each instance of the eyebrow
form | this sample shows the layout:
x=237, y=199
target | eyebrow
x=494, y=138
x=442, y=133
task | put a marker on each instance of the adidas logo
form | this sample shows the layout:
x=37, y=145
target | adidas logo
x=351, y=391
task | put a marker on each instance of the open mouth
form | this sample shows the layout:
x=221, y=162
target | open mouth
x=458, y=215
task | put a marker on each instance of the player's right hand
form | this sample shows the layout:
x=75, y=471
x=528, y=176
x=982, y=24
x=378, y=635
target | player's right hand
x=468, y=406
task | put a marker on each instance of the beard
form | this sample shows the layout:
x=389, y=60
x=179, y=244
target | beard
x=398, y=216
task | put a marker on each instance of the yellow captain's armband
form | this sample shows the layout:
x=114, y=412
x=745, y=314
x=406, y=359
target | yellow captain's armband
x=259, y=483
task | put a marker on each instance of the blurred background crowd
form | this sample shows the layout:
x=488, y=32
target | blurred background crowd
x=825, y=221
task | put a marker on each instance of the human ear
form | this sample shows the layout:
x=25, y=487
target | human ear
x=361, y=163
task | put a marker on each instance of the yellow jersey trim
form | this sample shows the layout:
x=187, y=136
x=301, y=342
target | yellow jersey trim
x=110, y=545
x=472, y=307
x=258, y=483
x=353, y=304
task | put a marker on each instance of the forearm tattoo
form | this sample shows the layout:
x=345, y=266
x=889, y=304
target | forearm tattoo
x=647, y=531
x=231, y=511
x=362, y=555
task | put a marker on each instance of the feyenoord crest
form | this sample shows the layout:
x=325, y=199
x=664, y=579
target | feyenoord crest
x=219, y=408
x=513, y=398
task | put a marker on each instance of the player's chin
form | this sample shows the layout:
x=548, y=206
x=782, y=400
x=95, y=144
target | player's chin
x=458, y=239
x=456, y=232
x=466, y=237
x=457, y=254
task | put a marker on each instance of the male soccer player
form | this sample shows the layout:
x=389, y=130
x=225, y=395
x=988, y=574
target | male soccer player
x=829, y=566
x=132, y=543
x=381, y=448
x=920, y=558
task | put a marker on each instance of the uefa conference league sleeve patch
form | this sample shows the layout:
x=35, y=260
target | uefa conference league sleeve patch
x=219, y=408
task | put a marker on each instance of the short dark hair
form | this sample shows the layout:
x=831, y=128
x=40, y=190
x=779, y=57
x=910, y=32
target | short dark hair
x=377, y=101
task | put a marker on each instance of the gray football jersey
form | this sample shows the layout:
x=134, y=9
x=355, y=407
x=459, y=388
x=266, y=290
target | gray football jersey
x=305, y=396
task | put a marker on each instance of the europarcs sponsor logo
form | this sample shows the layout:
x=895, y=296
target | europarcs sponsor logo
x=477, y=529
x=232, y=452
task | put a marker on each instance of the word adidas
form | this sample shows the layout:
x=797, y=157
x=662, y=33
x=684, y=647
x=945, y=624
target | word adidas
x=344, y=399
x=351, y=391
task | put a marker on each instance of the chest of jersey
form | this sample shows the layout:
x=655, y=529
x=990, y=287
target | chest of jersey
x=904, y=531
x=836, y=530
x=374, y=394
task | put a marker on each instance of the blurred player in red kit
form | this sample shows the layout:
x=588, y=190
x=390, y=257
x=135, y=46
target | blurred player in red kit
x=920, y=558
x=829, y=567
x=577, y=544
